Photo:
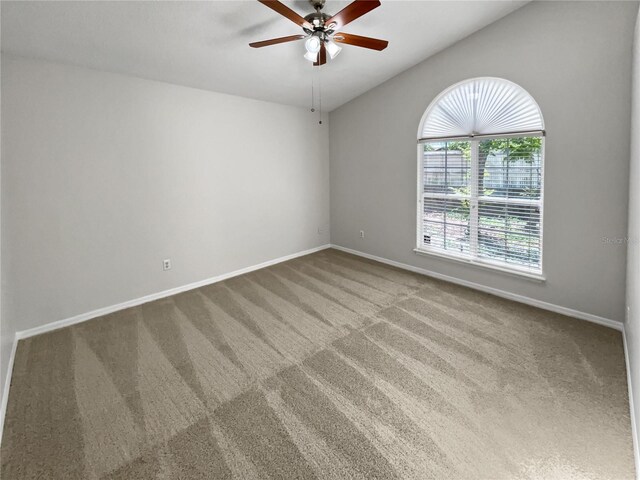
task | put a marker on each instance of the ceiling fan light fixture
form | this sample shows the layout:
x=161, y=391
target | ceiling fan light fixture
x=312, y=44
x=333, y=49
x=312, y=57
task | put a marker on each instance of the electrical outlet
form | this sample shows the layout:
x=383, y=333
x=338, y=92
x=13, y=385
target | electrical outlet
x=166, y=264
x=361, y=233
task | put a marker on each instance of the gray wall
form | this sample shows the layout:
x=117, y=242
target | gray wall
x=632, y=327
x=575, y=59
x=104, y=176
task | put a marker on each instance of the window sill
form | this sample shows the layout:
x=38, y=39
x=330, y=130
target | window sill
x=535, y=277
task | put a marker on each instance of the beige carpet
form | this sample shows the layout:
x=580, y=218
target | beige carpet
x=327, y=366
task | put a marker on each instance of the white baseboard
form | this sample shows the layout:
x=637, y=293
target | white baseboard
x=7, y=384
x=632, y=414
x=607, y=322
x=155, y=296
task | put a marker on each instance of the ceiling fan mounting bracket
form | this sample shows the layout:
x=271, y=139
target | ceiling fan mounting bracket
x=317, y=4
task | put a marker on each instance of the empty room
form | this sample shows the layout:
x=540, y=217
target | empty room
x=309, y=239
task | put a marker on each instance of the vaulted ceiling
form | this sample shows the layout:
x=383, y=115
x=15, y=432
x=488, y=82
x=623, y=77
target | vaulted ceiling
x=205, y=44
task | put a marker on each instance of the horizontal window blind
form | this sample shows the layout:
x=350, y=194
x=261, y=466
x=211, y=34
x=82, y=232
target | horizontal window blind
x=509, y=202
x=481, y=200
x=446, y=175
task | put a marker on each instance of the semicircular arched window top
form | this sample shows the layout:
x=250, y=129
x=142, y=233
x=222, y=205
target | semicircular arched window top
x=482, y=106
x=480, y=180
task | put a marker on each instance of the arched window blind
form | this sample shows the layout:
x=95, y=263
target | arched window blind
x=481, y=145
x=482, y=106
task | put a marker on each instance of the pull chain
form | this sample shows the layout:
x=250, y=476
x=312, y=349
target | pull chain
x=313, y=98
x=319, y=95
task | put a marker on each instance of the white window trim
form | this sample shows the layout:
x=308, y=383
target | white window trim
x=474, y=260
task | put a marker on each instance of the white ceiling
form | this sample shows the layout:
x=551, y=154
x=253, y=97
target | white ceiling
x=205, y=44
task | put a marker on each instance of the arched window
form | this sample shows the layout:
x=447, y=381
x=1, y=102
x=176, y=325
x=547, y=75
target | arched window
x=480, y=164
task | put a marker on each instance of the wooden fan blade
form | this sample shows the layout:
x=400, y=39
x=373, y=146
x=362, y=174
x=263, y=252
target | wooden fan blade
x=275, y=41
x=285, y=11
x=358, y=41
x=351, y=12
x=322, y=56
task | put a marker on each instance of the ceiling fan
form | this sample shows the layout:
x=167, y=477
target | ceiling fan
x=320, y=29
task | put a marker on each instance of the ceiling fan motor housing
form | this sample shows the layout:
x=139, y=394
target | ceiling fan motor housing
x=318, y=20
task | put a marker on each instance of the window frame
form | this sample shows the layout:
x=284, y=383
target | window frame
x=474, y=198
